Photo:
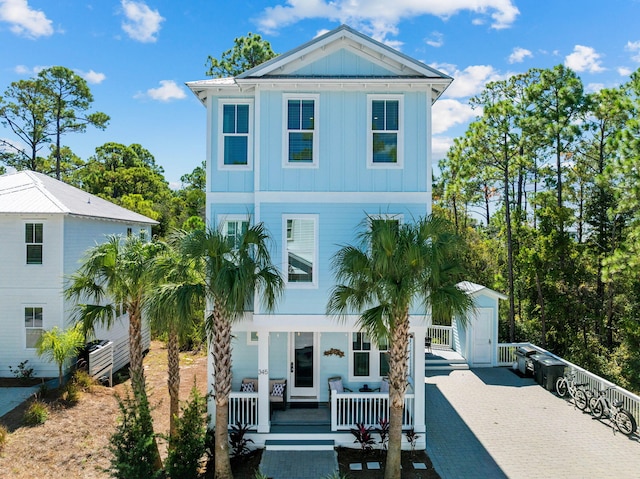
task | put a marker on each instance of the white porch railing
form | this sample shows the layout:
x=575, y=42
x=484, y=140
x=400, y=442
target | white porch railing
x=347, y=409
x=243, y=408
x=440, y=336
x=631, y=402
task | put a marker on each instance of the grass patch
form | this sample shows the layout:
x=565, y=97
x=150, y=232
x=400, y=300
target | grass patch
x=37, y=413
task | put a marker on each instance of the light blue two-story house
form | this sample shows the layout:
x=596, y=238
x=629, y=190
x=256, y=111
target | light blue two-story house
x=313, y=143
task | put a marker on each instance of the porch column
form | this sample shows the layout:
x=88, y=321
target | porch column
x=263, y=381
x=418, y=378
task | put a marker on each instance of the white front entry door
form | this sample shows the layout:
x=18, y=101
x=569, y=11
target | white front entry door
x=482, y=334
x=303, y=366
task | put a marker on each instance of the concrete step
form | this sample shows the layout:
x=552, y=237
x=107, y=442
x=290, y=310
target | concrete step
x=445, y=366
x=299, y=444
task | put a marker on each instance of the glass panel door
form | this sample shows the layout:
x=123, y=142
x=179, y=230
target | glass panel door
x=302, y=381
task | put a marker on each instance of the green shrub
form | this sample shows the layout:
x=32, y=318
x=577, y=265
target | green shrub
x=37, y=413
x=83, y=380
x=70, y=392
x=188, y=446
x=133, y=444
x=4, y=437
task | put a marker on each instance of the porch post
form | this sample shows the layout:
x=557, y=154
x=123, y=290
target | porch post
x=419, y=335
x=263, y=381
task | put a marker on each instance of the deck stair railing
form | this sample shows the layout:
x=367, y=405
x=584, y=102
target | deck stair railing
x=349, y=408
x=441, y=337
x=631, y=402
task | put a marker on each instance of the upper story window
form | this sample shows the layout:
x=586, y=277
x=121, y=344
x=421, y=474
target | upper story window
x=385, y=134
x=33, y=325
x=234, y=227
x=33, y=240
x=301, y=250
x=301, y=130
x=235, y=146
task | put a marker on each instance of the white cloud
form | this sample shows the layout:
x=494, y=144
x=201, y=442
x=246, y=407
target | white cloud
x=584, y=59
x=634, y=48
x=321, y=32
x=24, y=20
x=25, y=70
x=448, y=113
x=92, y=77
x=380, y=18
x=142, y=23
x=470, y=81
x=440, y=146
x=436, y=40
x=624, y=71
x=594, y=87
x=519, y=54
x=167, y=91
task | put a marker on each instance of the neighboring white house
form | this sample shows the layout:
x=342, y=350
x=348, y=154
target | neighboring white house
x=45, y=228
x=311, y=143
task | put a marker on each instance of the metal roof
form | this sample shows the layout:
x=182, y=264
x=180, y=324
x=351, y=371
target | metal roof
x=474, y=288
x=29, y=192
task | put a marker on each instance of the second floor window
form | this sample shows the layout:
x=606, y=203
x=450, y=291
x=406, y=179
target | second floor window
x=385, y=133
x=235, y=141
x=33, y=240
x=301, y=135
x=234, y=230
x=301, y=250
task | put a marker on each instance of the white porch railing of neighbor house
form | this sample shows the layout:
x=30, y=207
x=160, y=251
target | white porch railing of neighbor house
x=630, y=401
x=440, y=336
x=349, y=408
x=243, y=408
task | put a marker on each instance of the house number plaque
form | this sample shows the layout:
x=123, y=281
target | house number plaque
x=263, y=372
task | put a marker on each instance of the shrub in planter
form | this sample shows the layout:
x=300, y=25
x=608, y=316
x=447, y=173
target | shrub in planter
x=37, y=413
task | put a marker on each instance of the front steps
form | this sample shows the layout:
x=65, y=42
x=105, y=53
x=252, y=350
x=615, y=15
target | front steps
x=444, y=360
x=299, y=445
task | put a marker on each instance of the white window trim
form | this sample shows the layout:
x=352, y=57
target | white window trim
x=24, y=229
x=25, y=328
x=399, y=217
x=374, y=362
x=400, y=152
x=224, y=219
x=285, y=258
x=285, y=129
x=235, y=101
x=250, y=340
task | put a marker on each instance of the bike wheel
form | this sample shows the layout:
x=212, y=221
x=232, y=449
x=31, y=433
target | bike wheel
x=580, y=399
x=561, y=387
x=596, y=408
x=625, y=422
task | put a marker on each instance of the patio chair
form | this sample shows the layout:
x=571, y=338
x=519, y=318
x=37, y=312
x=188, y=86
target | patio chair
x=277, y=391
x=384, y=385
x=427, y=343
x=335, y=384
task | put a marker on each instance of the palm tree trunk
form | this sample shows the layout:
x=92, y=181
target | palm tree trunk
x=135, y=350
x=173, y=380
x=398, y=355
x=221, y=353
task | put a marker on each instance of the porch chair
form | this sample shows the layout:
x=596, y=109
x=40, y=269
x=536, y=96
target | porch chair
x=277, y=391
x=335, y=384
x=427, y=343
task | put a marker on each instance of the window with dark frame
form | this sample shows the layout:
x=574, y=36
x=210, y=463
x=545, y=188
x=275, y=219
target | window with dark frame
x=235, y=132
x=34, y=240
x=33, y=325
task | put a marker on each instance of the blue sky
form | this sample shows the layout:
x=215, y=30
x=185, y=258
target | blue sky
x=136, y=55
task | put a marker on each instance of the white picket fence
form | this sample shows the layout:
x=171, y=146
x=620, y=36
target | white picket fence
x=243, y=408
x=349, y=409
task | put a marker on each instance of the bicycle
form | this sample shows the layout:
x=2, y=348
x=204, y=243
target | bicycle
x=567, y=384
x=602, y=406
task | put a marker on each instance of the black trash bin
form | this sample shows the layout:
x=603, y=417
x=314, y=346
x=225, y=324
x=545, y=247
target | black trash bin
x=547, y=370
x=523, y=354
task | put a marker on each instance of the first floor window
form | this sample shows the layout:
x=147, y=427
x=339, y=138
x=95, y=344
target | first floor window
x=33, y=325
x=33, y=240
x=369, y=361
x=301, y=250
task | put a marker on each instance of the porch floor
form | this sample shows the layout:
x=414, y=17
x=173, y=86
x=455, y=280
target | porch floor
x=302, y=421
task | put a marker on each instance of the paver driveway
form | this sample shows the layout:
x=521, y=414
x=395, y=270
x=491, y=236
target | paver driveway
x=489, y=423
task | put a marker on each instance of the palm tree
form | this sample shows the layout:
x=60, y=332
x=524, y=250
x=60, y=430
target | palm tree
x=114, y=277
x=397, y=267
x=171, y=307
x=233, y=274
x=60, y=345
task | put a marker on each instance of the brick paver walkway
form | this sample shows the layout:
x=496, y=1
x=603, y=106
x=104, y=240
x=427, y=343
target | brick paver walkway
x=489, y=423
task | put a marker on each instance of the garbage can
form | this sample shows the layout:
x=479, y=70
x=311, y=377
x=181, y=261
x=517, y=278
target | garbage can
x=523, y=354
x=547, y=370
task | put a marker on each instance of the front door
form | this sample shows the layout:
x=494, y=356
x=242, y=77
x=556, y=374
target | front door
x=482, y=344
x=302, y=366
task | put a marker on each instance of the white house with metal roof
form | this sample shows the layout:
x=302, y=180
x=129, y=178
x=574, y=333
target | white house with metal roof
x=45, y=228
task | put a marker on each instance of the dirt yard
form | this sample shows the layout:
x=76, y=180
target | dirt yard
x=74, y=442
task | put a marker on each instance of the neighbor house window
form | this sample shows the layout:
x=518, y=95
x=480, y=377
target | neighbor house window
x=33, y=239
x=368, y=361
x=33, y=325
x=301, y=249
x=301, y=130
x=385, y=131
x=235, y=138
